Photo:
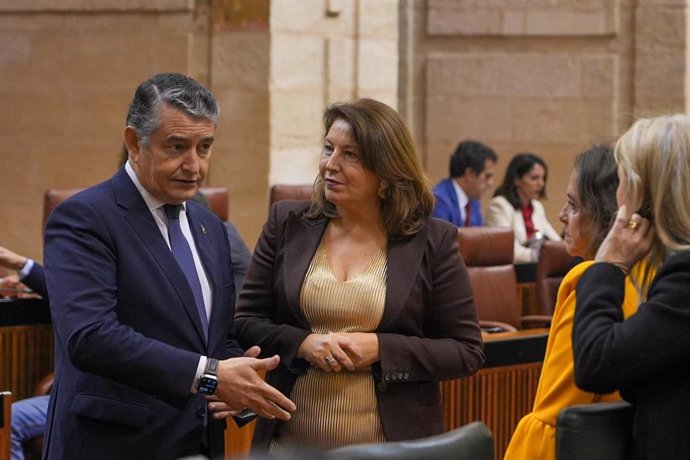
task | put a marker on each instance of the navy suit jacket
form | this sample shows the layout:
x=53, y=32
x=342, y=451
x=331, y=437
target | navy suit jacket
x=128, y=334
x=447, y=206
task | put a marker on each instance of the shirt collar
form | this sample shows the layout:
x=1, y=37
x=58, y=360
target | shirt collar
x=462, y=196
x=151, y=201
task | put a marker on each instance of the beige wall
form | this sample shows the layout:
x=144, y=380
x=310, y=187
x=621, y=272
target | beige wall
x=540, y=75
x=535, y=76
x=323, y=52
x=239, y=72
x=67, y=73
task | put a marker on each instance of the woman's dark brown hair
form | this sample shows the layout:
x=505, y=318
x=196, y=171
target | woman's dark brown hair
x=597, y=181
x=387, y=150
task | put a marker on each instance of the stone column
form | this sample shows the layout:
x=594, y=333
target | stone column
x=324, y=51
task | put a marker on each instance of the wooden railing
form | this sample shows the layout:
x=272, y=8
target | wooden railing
x=503, y=391
x=26, y=346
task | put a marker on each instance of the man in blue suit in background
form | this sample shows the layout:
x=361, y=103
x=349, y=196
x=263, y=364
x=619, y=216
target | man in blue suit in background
x=472, y=169
x=142, y=298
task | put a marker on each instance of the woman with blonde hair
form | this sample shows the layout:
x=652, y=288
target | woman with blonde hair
x=647, y=356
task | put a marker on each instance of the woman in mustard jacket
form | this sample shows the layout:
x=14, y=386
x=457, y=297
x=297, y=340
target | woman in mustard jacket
x=587, y=215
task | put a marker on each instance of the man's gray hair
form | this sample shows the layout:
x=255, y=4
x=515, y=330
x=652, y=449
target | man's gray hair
x=179, y=91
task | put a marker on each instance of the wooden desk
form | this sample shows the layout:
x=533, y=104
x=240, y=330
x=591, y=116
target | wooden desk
x=26, y=345
x=503, y=391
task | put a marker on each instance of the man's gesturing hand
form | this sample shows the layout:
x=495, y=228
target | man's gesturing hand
x=240, y=386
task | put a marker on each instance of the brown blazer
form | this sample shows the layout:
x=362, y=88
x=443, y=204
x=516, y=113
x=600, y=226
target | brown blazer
x=428, y=332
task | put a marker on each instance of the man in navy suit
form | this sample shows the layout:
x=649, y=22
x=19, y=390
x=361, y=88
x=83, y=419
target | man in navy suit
x=144, y=336
x=472, y=169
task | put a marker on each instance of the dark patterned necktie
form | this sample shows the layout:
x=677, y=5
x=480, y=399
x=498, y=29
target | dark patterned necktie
x=183, y=254
x=468, y=213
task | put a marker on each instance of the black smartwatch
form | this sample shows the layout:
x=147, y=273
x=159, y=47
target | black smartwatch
x=208, y=382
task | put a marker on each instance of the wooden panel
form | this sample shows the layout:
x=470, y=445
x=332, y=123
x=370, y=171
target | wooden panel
x=26, y=356
x=5, y=424
x=502, y=392
x=498, y=396
x=238, y=441
x=527, y=293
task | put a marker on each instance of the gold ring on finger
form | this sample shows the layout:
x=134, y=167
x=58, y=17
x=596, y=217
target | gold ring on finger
x=632, y=224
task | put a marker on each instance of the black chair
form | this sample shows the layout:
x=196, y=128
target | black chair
x=601, y=431
x=470, y=442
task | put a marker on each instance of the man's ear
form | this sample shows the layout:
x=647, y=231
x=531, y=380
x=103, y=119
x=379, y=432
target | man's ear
x=132, y=143
x=469, y=172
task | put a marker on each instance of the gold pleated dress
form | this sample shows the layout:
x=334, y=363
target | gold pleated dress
x=337, y=408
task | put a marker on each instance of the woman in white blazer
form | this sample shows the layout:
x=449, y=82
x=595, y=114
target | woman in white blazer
x=516, y=204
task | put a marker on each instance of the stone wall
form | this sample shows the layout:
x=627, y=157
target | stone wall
x=547, y=76
x=68, y=69
x=323, y=52
x=544, y=76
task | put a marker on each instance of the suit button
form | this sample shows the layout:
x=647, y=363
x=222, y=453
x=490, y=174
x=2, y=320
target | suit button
x=201, y=412
x=382, y=386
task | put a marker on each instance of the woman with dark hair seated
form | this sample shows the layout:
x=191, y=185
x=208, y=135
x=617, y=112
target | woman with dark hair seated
x=587, y=215
x=516, y=204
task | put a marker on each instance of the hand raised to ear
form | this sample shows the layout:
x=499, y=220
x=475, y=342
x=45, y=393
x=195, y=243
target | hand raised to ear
x=630, y=239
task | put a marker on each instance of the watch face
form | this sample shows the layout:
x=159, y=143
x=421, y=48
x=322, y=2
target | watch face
x=207, y=384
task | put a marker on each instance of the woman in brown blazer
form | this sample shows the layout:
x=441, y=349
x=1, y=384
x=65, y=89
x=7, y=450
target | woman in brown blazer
x=361, y=293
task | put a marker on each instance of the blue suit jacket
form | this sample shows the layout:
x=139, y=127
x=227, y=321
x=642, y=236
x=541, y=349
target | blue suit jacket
x=447, y=206
x=128, y=335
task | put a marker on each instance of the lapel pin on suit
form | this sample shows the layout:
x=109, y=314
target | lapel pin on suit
x=203, y=229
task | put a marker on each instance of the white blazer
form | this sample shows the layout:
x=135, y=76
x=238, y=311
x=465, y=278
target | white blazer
x=502, y=214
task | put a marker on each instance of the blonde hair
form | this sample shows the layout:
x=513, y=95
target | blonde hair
x=654, y=154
